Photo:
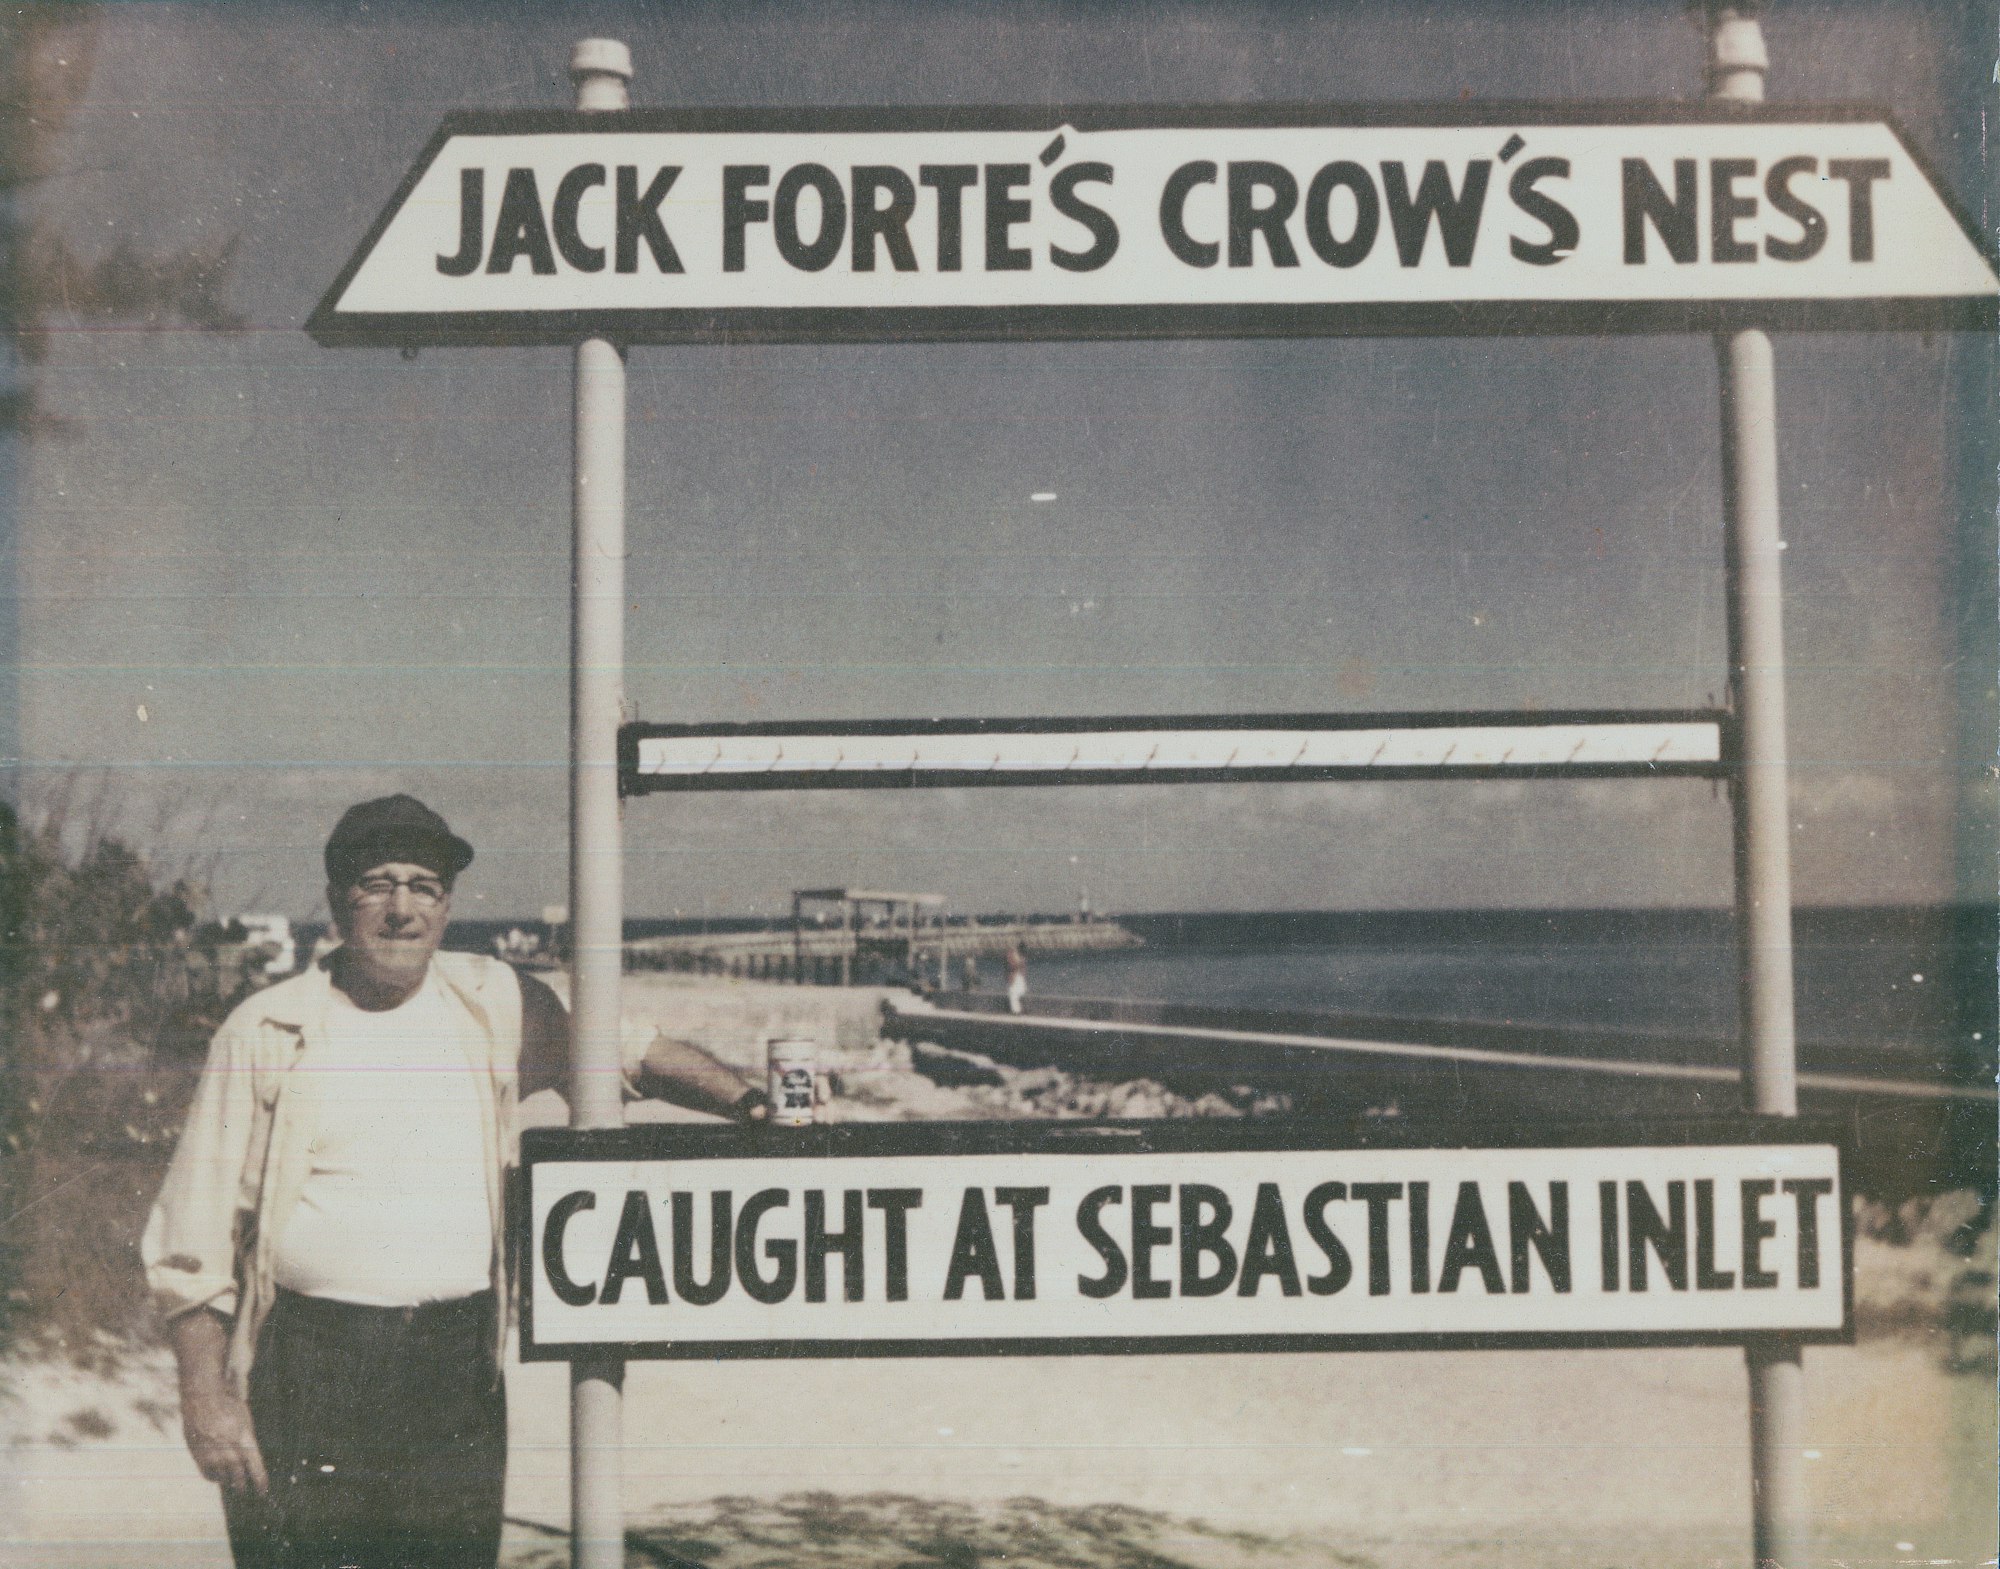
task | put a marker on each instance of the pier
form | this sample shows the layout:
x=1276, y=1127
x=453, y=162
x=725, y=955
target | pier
x=852, y=936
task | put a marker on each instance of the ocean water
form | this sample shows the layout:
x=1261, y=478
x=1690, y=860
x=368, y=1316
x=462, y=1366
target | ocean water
x=1685, y=991
x=1914, y=985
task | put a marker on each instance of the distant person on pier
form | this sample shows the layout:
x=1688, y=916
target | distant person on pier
x=970, y=974
x=1017, y=978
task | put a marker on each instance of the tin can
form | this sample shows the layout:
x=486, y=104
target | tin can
x=794, y=1062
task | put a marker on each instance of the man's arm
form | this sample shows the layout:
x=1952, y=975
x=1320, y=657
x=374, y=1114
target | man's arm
x=681, y=1072
x=190, y=1252
x=675, y=1071
x=215, y=1418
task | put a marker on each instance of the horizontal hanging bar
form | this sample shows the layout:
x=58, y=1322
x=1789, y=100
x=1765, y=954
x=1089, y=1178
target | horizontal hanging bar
x=955, y=753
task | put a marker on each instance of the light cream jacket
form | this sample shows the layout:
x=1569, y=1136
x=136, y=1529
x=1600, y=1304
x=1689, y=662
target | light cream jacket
x=245, y=1151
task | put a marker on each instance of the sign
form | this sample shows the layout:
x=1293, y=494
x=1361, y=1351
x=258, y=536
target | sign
x=973, y=1239
x=1183, y=749
x=694, y=227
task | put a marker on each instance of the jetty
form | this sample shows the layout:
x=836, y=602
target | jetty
x=1381, y=1076
x=854, y=936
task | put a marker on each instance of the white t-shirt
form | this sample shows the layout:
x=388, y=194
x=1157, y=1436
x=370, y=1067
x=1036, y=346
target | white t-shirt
x=394, y=1209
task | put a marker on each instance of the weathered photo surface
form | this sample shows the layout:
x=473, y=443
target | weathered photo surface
x=1354, y=628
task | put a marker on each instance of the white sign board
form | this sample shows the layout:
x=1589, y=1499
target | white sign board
x=820, y=755
x=990, y=1239
x=691, y=227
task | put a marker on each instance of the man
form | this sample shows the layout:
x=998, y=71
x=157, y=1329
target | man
x=329, y=1244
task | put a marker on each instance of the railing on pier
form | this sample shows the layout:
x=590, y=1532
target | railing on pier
x=824, y=956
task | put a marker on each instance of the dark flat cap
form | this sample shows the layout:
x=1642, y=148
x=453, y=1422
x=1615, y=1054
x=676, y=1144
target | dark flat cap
x=393, y=828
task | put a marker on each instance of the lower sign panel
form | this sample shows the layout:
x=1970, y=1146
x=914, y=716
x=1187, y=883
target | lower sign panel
x=994, y=1239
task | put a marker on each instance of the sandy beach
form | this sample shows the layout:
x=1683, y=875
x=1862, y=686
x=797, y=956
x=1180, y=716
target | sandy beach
x=1209, y=1462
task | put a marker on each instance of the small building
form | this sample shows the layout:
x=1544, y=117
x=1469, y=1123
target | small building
x=886, y=936
x=272, y=932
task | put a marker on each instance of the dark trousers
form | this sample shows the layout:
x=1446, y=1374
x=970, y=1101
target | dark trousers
x=384, y=1431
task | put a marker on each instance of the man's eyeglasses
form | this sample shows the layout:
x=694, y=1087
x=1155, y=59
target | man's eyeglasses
x=425, y=892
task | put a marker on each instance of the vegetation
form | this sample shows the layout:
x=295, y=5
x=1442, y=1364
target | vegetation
x=103, y=999
x=114, y=983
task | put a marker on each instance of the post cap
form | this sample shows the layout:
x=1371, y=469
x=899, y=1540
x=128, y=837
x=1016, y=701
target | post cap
x=1738, y=61
x=600, y=57
x=1738, y=41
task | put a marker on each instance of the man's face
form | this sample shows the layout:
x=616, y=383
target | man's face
x=391, y=919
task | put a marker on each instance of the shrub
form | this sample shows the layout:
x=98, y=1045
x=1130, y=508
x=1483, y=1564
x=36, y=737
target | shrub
x=109, y=998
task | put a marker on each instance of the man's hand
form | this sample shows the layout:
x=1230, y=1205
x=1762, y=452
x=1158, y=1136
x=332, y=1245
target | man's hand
x=215, y=1418
x=222, y=1440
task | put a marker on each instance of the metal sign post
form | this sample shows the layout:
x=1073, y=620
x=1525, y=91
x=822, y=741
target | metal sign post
x=601, y=70
x=1738, y=63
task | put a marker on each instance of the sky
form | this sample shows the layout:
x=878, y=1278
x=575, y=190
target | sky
x=262, y=579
